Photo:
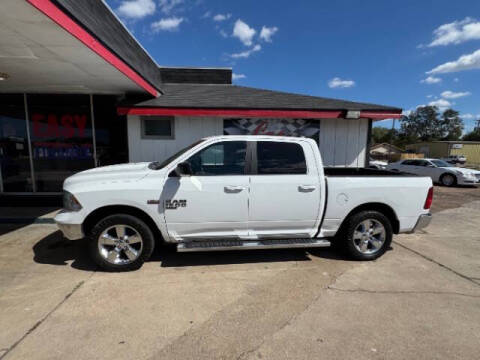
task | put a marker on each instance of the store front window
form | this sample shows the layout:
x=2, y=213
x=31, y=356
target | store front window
x=15, y=172
x=61, y=138
x=110, y=131
x=57, y=136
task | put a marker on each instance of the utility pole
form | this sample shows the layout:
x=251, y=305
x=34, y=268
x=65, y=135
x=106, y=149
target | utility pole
x=391, y=140
x=477, y=126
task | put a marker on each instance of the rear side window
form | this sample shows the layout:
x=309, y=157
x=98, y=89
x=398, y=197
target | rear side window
x=408, y=162
x=280, y=158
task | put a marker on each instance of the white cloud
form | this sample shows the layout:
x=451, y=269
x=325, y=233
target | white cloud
x=238, y=76
x=467, y=116
x=464, y=62
x=136, y=9
x=267, y=33
x=223, y=33
x=222, y=17
x=431, y=80
x=339, y=83
x=245, y=54
x=207, y=15
x=243, y=32
x=168, y=5
x=167, y=24
x=442, y=104
x=430, y=96
x=456, y=32
x=454, y=95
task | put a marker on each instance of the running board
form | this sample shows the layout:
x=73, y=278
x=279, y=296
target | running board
x=222, y=245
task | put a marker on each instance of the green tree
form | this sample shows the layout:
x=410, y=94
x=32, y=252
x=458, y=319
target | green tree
x=452, y=125
x=383, y=135
x=423, y=124
x=472, y=135
x=426, y=124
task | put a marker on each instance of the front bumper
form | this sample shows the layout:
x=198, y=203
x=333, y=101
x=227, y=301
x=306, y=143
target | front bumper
x=422, y=222
x=70, y=230
x=468, y=181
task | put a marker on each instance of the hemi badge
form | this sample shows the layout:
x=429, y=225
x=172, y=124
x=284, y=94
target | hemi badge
x=153, y=202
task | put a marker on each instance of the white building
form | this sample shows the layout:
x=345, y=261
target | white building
x=79, y=91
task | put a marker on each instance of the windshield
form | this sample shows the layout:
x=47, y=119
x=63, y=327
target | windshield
x=441, y=163
x=157, y=165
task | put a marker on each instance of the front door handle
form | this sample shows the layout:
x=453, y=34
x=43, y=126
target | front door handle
x=233, y=189
x=305, y=188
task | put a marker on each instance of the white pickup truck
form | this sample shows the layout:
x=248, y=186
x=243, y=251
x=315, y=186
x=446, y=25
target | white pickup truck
x=240, y=192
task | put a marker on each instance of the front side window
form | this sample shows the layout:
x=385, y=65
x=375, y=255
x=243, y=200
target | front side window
x=223, y=158
x=280, y=158
x=408, y=162
x=157, y=127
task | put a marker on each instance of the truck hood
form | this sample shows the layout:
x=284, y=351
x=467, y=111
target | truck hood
x=108, y=174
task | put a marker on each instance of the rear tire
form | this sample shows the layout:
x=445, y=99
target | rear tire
x=448, y=180
x=366, y=235
x=121, y=243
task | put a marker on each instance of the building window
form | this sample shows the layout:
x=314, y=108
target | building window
x=61, y=138
x=110, y=131
x=158, y=127
x=15, y=171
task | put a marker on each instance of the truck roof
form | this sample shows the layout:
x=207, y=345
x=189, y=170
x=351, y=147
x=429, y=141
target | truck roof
x=259, y=137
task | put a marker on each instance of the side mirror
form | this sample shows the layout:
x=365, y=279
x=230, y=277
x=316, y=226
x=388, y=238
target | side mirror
x=183, y=169
x=430, y=166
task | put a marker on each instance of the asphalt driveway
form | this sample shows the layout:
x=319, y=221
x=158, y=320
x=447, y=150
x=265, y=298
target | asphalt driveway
x=420, y=300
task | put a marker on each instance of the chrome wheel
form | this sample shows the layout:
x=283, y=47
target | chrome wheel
x=369, y=236
x=120, y=244
x=448, y=180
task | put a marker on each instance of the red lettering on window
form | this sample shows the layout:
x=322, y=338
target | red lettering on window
x=81, y=121
x=67, y=129
x=39, y=129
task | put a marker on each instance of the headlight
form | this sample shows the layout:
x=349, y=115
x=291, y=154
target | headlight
x=70, y=202
x=468, y=175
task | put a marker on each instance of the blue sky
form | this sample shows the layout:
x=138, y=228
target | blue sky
x=402, y=53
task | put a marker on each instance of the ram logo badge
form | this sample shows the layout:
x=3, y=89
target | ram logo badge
x=174, y=204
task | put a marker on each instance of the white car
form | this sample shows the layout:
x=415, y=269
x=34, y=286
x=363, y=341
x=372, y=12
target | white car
x=237, y=193
x=439, y=171
x=377, y=164
x=456, y=159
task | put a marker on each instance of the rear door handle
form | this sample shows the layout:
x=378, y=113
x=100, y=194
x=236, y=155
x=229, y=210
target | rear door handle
x=233, y=188
x=305, y=188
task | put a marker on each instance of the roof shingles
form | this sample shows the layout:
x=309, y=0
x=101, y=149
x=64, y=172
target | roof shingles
x=216, y=96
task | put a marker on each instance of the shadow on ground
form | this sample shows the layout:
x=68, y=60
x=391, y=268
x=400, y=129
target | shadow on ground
x=56, y=250
x=15, y=217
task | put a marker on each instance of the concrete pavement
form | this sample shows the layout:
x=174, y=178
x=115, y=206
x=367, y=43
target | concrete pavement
x=420, y=300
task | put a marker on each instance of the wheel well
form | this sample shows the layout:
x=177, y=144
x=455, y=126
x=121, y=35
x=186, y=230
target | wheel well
x=95, y=216
x=381, y=208
x=447, y=173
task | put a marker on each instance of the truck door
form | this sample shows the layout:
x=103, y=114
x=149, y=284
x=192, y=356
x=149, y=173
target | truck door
x=213, y=201
x=284, y=190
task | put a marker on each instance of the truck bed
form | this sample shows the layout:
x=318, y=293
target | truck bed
x=339, y=171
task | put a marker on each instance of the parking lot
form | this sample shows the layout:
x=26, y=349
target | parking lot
x=420, y=300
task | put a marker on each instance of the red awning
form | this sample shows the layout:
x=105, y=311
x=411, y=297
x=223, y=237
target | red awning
x=293, y=114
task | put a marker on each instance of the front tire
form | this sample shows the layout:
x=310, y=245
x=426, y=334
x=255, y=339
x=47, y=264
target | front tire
x=121, y=243
x=366, y=235
x=448, y=180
